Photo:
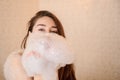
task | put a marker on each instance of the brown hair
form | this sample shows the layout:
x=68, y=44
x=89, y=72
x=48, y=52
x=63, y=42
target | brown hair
x=64, y=73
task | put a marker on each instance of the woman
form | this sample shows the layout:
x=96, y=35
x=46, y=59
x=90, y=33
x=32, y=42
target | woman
x=47, y=22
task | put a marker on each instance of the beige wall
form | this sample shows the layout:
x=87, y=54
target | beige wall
x=14, y=15
x=92, y=27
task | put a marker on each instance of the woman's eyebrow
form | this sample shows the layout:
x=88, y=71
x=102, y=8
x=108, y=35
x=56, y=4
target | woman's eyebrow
x=45, y=25
x=41, y=25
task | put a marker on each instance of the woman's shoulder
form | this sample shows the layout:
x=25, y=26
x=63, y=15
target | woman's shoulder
x=13, y=57
x=13, y=67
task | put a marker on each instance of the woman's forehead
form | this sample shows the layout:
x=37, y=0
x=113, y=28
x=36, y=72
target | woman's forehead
x=45, y=20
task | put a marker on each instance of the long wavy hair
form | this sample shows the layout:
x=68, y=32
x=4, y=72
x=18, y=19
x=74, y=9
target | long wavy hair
x=64, y=73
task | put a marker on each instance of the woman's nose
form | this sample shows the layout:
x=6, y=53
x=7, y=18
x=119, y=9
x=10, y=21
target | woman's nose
x=48, y=30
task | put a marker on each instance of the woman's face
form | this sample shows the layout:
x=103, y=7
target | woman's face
x=45, y=24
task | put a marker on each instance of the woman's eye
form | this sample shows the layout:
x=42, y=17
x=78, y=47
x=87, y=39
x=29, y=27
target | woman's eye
x=54, y=31
x=41, y=30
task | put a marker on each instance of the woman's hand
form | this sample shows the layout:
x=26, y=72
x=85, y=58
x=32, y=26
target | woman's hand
x=38, y=77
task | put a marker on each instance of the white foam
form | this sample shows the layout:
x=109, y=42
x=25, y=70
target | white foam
x=45, y=54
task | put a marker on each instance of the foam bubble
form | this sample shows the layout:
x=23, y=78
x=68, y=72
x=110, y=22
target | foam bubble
x=45, y=54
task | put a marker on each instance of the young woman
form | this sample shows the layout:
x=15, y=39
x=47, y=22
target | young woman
x=46, y=22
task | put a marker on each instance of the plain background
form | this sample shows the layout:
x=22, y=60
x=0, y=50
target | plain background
x=91, y=26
